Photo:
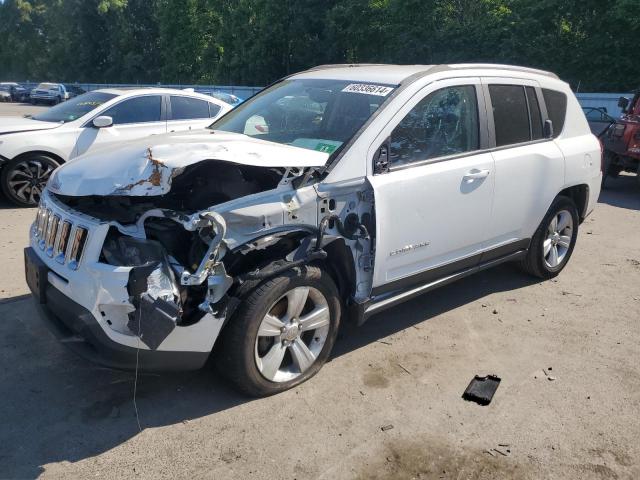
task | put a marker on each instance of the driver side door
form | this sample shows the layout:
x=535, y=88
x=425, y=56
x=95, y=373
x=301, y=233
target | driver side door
x=434, y=196
x=133, y=118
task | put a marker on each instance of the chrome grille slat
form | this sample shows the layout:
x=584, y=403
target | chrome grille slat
x=63, y=241
x=52, y=234
x=61, y=238
x=79, y=239
x=45, y=227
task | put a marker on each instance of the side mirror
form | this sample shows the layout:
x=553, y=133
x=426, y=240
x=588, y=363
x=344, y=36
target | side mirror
x=547, y=129
x=102, y=121
x=623, y=103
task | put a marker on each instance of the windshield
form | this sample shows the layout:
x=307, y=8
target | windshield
x=314, y=114
x=47, y=86
x=74, y=108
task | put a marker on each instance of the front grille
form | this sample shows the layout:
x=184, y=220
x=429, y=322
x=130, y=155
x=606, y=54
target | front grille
x=60, y=238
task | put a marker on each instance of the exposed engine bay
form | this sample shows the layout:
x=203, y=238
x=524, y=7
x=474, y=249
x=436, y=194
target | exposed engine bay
x=221, y=229
x=198, y=187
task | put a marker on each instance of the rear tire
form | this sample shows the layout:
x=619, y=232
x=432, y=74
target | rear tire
x=282, y=333
x=554, y=240
x=23, y=179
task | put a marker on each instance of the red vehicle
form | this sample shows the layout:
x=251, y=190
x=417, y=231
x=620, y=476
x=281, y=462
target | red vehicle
x=622, y=140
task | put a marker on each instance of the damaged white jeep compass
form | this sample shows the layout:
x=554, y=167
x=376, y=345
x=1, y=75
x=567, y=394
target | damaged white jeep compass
x=332, y=194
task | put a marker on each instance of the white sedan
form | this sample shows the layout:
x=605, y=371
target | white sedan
x=31, y=148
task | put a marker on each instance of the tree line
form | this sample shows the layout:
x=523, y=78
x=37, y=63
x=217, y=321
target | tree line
x=589, y=43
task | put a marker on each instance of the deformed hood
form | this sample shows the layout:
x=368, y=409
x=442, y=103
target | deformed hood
x=22, y=124
x=147, y=167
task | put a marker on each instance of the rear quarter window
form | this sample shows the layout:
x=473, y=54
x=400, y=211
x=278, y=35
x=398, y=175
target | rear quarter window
x=556, y=103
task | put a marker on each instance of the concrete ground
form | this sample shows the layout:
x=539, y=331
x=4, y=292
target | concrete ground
x=387, y=405
x=20, y=109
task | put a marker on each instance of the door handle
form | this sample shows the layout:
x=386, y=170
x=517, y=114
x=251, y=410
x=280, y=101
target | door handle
x=476, y=174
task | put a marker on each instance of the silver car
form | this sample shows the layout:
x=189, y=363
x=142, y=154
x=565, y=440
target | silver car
x=53, y=93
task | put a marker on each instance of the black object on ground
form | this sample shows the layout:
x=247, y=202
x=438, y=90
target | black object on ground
x=482, y=389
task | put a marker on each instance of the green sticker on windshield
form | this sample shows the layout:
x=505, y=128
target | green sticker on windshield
x=326, y=148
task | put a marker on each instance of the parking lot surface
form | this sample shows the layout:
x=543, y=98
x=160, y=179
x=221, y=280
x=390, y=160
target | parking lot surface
x=388, y=404
x=20, y=109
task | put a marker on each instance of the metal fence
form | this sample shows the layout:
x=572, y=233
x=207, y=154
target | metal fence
x=239, y=91
x=609, y=101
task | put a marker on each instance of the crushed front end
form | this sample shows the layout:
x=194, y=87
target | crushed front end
x=151, y=280
x=97, y=309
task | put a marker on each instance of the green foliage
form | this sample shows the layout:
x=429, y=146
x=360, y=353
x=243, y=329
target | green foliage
x=587, y=42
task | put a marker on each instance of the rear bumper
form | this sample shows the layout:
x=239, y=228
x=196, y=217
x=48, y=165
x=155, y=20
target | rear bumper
x=78, y=330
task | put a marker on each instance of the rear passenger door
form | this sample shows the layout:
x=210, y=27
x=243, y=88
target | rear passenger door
x=529, y=169
x=188, y=113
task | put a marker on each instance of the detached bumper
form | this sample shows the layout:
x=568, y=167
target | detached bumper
x=77, y=329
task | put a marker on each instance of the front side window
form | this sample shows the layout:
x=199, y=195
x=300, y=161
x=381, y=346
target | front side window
x=443, y=123
x=316, y=114
x=510, y=114
x=143, y=109
x=74, y=108
x=187, y=108
x=556, y=103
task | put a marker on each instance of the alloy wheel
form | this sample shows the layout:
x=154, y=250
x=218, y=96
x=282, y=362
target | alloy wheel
x=28, y=179
x=558, y=239
x=292, y=334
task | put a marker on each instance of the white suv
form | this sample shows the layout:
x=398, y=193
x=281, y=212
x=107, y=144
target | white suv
x=31, y=148
x=336, y=192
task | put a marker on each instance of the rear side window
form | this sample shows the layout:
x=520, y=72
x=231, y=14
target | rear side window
x=534, y=113
x=510, y=114
x=186, y=108
x=556, y=103
x=213, y=109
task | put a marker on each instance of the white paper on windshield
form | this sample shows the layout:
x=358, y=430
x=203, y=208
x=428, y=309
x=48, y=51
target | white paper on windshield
x=365, y=89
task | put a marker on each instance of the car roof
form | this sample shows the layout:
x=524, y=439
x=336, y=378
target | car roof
x=397, y=74
x=131, y=91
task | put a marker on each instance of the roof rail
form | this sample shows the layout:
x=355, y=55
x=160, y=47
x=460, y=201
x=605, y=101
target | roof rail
x=493, y=66
x=443, y=67
x=345, y=65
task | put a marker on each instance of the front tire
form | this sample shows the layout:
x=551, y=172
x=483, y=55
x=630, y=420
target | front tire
x=554, y=240
x=23, y=179
x=283, y=332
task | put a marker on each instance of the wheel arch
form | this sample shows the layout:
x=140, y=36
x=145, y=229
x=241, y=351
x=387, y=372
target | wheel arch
x=338, y=263
x=54, y=156
x=580, y=196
